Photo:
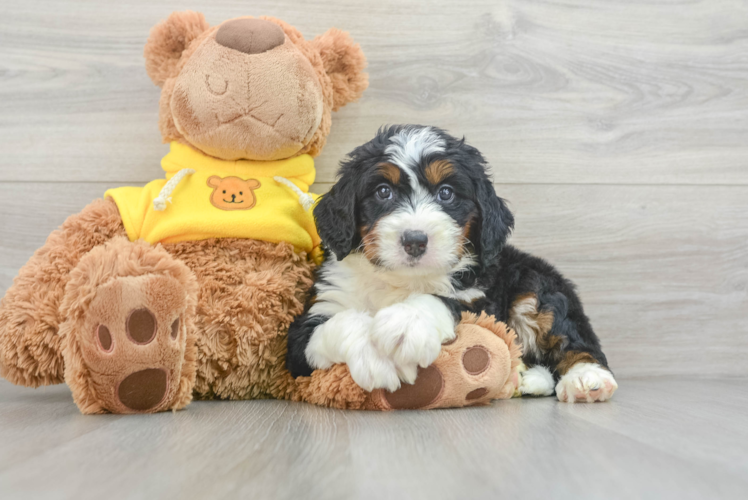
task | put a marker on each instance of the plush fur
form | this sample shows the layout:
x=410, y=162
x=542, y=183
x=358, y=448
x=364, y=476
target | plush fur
x=277, y=106
x=138, y=328
x=416, y=235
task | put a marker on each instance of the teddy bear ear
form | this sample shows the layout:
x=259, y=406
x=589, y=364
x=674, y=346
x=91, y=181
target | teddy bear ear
x=167, y=41
x=344, y=63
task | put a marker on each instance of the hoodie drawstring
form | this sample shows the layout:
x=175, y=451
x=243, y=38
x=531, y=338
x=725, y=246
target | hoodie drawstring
x=159, y=203
x=305, y=199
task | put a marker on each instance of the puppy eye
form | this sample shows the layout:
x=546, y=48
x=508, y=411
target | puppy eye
x=446, y=194
x=224, y=191
x=384, y=192
x=240, y=193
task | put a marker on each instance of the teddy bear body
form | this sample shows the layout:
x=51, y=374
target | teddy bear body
x=137, y=312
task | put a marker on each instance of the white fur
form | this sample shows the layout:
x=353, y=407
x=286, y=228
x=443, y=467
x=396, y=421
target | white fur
x=411, y=333
x=356, y=283
x=388, y=316
x=586, y=382
x=537, y=381
x=344, y=338
x=444, y=237
x=408, y=147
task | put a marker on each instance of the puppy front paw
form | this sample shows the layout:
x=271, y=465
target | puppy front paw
x=411, y=334
x=370, y=370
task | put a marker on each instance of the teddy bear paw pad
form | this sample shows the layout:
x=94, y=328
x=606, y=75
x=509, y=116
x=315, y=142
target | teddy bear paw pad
x=144, y=389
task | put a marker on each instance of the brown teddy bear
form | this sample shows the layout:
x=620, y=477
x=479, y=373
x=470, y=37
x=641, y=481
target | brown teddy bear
x=186, y=287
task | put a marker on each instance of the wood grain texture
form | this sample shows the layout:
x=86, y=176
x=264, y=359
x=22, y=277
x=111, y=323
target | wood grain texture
x=658, y=438
x=562, y=91
x=662, y=270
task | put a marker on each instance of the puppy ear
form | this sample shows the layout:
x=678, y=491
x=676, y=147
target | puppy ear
x=335, y=215
x=497, y=223
x=344, y=63
x=214, y=181
x=167, y=41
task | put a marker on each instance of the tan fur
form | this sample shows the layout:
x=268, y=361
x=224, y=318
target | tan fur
x=304, y=82
x=370, y=242
x=109, y=282
x=390, y=172
x=168, y=40
x=533, y=326
x=466, y=234
x=437, y=171
x=234, y=299
x=344, y=63
x=571, y=358
x=249, y=292
x=30, y=316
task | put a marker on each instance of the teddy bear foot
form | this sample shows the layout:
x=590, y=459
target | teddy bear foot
x=129, y=344
x=479, y=365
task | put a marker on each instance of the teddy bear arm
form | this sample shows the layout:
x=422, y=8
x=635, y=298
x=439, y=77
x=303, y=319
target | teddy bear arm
x=30, y=348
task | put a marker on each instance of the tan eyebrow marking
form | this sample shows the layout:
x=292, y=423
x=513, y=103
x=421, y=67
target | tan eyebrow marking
x=438, y=170
x=390, y=172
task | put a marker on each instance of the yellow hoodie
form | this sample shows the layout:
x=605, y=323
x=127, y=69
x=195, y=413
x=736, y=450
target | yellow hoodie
x=221, y=199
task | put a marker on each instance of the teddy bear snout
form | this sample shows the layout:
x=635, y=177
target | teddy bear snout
x=251, y=36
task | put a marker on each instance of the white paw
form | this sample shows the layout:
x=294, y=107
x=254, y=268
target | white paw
x=344, y=338
x=586, y=383
x=370, y=370
x=537, y=381
x=411, y=333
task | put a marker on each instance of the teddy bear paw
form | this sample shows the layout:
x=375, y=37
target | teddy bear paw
x=134, y=344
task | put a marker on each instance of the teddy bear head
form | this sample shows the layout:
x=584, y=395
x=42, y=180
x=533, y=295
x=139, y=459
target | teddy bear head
x=250, y=88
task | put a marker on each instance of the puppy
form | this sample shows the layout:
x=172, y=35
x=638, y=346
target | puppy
x=414, y=234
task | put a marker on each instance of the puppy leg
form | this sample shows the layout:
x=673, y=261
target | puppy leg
x=555, y=332
x=411, y=333
x=344, y=338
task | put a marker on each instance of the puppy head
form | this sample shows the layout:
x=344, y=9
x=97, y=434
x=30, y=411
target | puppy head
x=415, y=198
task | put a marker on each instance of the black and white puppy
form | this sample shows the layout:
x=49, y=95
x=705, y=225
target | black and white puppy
x=414, y=234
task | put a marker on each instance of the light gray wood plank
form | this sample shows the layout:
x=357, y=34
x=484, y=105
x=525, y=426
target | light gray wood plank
x=662, y=270
x=530, y=448
x=48, y=414
x=707, y=422
x=564, y=92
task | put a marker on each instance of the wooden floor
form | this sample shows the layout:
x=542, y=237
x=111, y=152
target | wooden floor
x=662, y=438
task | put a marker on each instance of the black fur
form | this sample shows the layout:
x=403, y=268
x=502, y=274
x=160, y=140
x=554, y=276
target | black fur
x=500, y=270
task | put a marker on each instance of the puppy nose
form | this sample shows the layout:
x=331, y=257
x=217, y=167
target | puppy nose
x=414, y=243
x=251, y=36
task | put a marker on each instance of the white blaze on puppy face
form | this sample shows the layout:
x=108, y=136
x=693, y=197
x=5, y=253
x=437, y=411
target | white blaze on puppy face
x=409, y=147
x=420, y=212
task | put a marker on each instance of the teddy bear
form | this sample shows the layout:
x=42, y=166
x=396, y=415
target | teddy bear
x=185, y=288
